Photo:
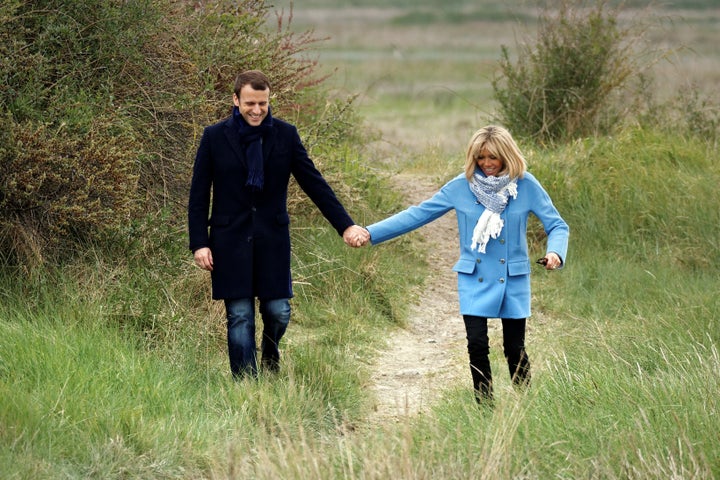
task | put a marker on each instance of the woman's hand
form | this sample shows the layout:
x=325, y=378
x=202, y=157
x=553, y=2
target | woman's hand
x=553, y=261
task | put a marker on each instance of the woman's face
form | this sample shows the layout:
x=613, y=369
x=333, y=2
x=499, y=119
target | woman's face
x=490, y=165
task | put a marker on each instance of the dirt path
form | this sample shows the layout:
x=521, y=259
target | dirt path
x=430, y=353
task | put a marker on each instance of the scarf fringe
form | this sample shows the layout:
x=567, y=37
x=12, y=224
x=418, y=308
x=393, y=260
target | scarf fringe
x=489, y=225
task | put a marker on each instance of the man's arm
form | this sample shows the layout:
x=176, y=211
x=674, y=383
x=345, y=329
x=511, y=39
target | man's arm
x=199, y=197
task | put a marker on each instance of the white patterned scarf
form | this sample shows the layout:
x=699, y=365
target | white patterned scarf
x=493, y=193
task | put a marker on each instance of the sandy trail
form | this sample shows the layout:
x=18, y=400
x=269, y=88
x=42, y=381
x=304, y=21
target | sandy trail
x=430, y=353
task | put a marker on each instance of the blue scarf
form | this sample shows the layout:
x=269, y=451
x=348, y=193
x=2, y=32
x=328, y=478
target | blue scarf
x=251, y=139
x=494, y=194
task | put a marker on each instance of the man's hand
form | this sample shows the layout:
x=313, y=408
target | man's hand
x=356, y=236
x=203, y=258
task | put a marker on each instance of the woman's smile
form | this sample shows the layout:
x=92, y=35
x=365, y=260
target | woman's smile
x=490, y=165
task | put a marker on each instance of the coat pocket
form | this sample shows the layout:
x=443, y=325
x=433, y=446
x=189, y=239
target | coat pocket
x=465, y=265
x=519, y=267
x=219, y=220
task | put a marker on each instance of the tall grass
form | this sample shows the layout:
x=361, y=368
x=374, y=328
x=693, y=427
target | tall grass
x=115, y=367
x=111, y=367
x=624, y=344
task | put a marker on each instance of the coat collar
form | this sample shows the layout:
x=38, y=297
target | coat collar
x=233, y=137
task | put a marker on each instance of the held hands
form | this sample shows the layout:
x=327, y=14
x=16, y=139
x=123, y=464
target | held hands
x=356, y=236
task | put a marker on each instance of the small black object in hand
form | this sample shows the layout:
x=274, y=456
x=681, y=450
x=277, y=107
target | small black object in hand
x=542, y=261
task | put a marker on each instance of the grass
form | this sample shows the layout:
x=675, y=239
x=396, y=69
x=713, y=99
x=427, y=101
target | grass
x=115, y=368
x=625, y=358
x=626, y=374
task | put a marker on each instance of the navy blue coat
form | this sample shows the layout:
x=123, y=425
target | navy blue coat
x=249, y=233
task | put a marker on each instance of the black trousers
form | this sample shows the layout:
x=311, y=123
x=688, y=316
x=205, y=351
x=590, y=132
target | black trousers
x=478, y=345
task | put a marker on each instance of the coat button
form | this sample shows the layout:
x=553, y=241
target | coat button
x=478, y=261
x=480, y=280
x=502, y=280
x=502, y=261
x=502, y=241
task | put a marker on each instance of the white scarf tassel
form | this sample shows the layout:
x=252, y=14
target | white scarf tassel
x=488, y=225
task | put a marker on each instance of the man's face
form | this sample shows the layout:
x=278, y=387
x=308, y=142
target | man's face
x=253, y=104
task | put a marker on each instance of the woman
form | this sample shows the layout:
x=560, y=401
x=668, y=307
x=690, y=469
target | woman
x=492, y=200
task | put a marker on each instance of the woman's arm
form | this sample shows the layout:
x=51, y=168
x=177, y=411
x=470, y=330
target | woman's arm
x=413, y=217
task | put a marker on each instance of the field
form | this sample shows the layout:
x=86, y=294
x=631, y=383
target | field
x=114, y=367
x=423, y=70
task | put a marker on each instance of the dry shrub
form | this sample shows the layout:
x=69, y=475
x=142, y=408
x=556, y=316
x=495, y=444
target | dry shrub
x=59, y=186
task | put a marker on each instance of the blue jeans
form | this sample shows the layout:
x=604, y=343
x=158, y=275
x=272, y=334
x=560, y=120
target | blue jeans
x=241, y=333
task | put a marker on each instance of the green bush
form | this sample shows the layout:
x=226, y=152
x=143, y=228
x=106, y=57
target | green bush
x=103, y=102
x=563, y=85
x=690, y=112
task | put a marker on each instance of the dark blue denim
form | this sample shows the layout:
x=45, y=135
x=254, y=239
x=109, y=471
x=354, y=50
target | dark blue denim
x=241, y=333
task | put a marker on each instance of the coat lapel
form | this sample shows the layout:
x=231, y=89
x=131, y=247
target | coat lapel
x=233, y=137
x=268, y=144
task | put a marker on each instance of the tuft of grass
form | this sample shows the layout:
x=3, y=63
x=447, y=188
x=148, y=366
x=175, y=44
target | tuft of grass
x=644, y=194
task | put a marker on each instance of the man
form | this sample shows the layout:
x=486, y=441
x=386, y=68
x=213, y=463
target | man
x=244, y=164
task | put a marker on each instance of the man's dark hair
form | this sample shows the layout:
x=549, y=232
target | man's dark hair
x=255, y=78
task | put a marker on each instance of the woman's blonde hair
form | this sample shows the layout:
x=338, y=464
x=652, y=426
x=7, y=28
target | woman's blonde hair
x=500, y=143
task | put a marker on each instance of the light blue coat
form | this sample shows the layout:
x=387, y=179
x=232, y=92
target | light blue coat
x=495, y=284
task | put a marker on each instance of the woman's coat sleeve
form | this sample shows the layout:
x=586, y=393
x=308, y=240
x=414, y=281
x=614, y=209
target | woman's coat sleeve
x=411, y=218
